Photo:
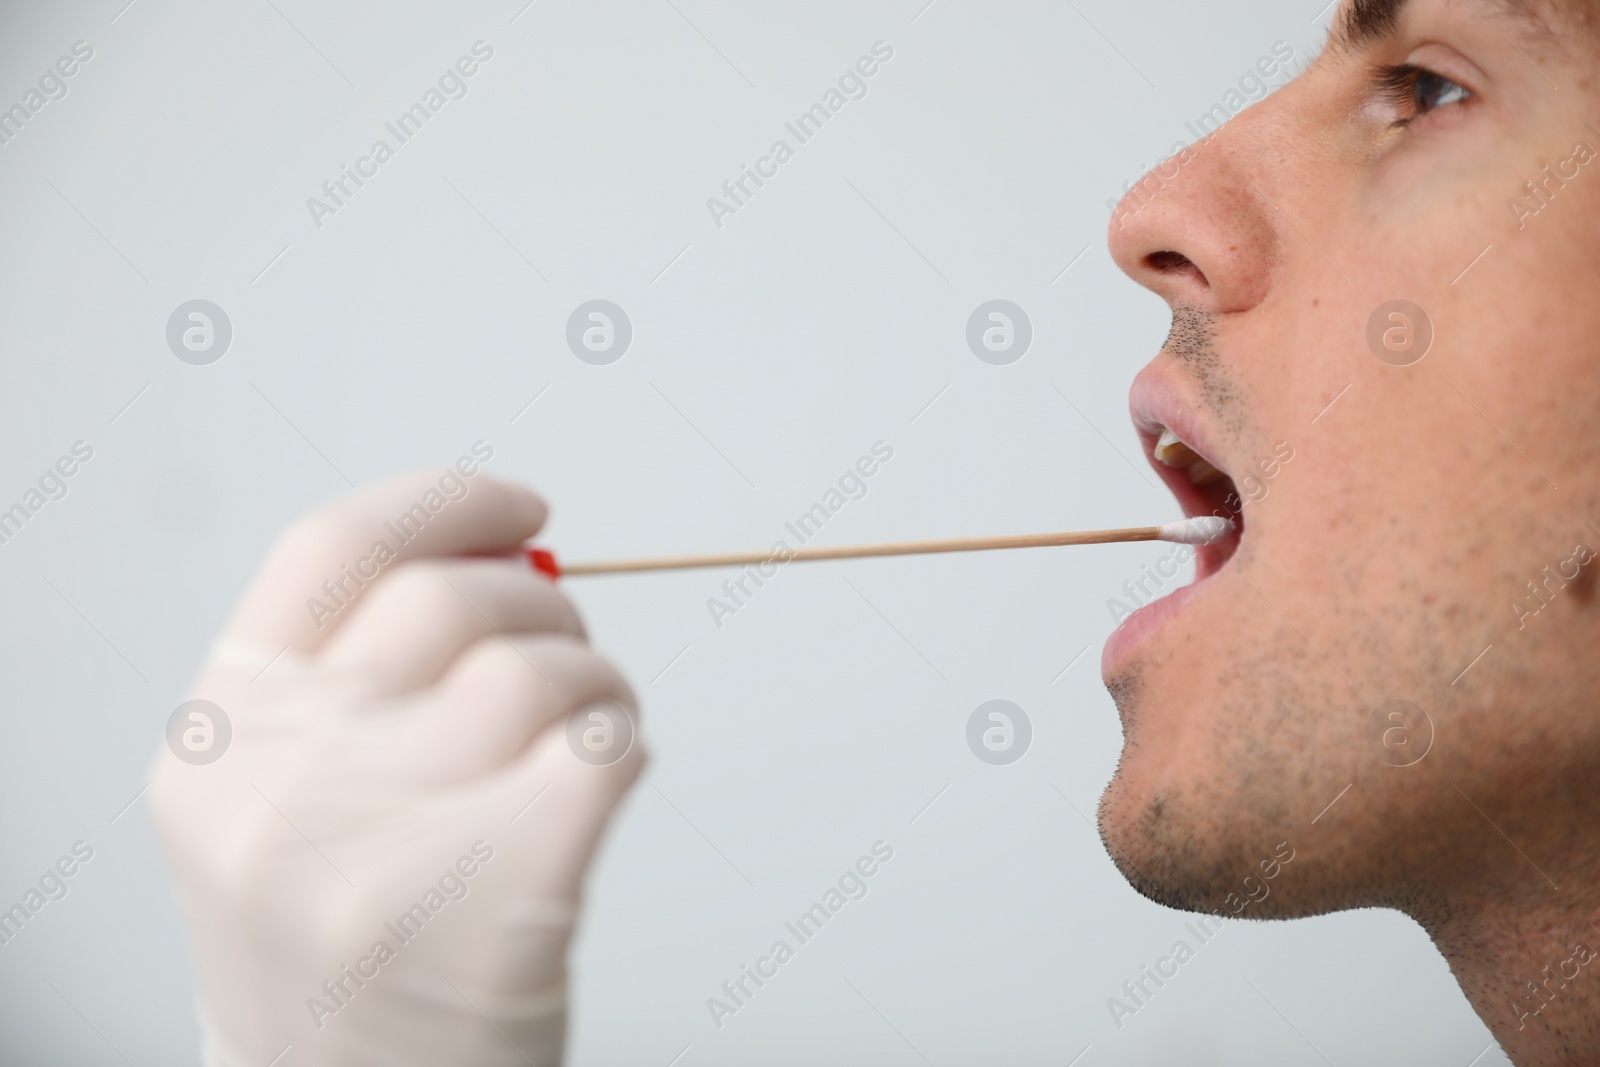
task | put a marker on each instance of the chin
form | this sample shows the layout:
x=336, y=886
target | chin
x=1221, y=774
x=1160, y=839
x=1174, y=849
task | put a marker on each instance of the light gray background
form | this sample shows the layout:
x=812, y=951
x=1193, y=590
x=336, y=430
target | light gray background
x=770, y=354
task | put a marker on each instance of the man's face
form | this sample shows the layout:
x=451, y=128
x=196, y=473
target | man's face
x=1394, y=515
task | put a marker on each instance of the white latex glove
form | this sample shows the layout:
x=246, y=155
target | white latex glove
x=412, y=747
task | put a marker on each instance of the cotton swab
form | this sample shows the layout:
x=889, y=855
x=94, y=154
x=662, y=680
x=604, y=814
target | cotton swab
x=1202, y=530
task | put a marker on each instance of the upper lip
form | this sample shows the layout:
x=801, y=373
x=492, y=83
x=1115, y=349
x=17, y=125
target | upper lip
x=1156, y=403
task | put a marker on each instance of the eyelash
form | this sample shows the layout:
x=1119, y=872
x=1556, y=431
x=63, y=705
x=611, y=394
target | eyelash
x=1401, y=86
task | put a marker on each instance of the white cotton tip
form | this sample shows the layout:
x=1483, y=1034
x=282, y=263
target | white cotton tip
x=1201, y=530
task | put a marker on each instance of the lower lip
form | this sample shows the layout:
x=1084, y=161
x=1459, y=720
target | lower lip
x=1142, y=625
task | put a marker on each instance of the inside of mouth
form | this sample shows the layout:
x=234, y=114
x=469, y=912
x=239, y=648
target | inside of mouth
x=1222, y=499
x=1203, y=489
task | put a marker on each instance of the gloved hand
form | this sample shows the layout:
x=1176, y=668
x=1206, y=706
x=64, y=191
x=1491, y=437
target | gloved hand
x=385, y=865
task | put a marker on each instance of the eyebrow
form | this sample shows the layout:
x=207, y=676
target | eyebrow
x=1365, y=22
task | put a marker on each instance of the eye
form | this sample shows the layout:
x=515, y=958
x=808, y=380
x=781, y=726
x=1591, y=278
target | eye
x=1417, y=91
x=1432, y=91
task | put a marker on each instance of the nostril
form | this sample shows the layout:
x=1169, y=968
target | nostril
x=1170, y=262
x=1175, y=265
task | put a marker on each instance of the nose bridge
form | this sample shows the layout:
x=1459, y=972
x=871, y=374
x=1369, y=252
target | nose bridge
x=1205, y=208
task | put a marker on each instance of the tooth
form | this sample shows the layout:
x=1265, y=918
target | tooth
x=1203, y=473
x=1172, y=451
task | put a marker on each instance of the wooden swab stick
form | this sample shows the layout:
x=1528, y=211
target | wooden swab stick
x=1203, y=530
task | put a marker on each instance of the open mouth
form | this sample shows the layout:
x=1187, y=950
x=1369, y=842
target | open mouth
x=1185, y=445
x=1202, y=486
